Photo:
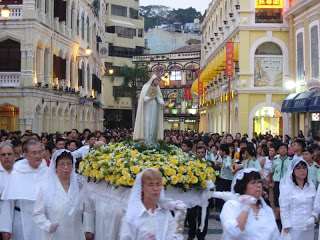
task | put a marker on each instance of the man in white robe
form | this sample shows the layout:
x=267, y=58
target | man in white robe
x=20, y=193
x=149, y=118
x=7, y=158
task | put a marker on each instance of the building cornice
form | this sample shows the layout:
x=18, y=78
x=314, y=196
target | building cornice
x=300, y=7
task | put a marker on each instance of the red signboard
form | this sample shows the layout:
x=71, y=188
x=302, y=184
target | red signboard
x=229, y=59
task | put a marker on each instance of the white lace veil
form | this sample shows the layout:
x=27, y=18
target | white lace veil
x=135, y=203
x=239, y=176
x=53, y=184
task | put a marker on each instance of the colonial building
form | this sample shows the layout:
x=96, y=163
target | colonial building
x=244, y=67
x=304, y=33
x=123, y=38
x=179, y=68
x=160, y=40
x=49, y=65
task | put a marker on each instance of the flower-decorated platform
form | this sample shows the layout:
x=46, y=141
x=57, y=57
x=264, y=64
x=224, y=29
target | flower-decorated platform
x=119, y=163
x=112, y=170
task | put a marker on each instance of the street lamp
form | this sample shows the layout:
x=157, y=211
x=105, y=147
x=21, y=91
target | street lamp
x=5, y=12
x=110, y=71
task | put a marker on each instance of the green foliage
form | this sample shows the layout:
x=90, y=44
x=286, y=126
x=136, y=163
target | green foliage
x=131, y=75
x=155, y=15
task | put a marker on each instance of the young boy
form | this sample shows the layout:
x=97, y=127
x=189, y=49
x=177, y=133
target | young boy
x=312, y=166
x=279, y=169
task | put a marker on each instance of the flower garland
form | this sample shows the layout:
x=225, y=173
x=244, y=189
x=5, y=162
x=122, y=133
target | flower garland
x=119, y=163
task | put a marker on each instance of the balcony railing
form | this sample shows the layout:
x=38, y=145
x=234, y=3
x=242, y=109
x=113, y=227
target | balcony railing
x=10, y=79
x=16, y=11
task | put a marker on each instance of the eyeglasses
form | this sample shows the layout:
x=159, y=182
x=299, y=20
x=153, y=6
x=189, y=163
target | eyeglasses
x=62, y=164
x=6, y=154
x=299, y=167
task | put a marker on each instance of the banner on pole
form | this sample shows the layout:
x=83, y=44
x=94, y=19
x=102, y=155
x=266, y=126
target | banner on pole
x=229, y=58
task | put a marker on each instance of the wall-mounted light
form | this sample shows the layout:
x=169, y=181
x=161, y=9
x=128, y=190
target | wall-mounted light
x=88, y=51
x=5, y=12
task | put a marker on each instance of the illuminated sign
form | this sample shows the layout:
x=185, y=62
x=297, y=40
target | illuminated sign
x=269, y=4
x=315, y=117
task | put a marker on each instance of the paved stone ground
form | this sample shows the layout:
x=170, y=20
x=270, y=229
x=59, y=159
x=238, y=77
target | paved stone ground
x=214, y=228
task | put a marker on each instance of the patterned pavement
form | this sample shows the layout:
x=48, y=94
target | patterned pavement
x=214, y=228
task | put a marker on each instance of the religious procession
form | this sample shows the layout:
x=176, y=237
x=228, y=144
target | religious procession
x=157, y=185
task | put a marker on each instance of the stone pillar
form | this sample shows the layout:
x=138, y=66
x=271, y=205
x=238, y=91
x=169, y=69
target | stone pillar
x=40, y=58
x=27, y=65
x=68, y=23
x=68, y=69
x=29, y=7
x=85, y=81
x=184, y=77
x=25, y=123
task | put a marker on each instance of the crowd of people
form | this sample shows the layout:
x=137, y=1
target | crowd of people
x=265, y=186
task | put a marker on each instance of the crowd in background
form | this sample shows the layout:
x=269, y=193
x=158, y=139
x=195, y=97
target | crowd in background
x=270, y=155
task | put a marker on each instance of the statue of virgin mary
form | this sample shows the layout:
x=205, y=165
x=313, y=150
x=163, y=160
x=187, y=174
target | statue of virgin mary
x=149, y=118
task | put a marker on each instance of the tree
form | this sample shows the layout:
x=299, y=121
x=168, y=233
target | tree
x=132, y=75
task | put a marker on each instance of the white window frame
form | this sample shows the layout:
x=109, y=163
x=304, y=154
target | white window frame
x=300, y=30
x=312, y=24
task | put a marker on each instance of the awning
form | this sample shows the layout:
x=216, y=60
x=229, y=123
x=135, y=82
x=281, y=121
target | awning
x=120, y=22
x=307, y=101
x=301, y=102
x=314, y=103
x=288, y=102
x=194, y=87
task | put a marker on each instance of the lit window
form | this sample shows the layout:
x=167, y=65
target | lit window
x=175, y=76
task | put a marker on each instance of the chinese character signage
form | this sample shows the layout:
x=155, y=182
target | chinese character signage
x=269, y=4
x=229, y=59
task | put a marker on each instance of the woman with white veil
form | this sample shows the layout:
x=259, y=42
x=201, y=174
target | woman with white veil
x=149, y=119
x=145, y=219
x=246, y=216
x=297, y=194
x=58, y=209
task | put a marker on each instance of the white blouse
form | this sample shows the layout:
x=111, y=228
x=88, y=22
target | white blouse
x=44, y=214
x=261, y=227
x=296, y=205
x=161, y=224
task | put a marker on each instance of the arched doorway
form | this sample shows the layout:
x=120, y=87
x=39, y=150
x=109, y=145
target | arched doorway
x=9, y=115
x=268, y=120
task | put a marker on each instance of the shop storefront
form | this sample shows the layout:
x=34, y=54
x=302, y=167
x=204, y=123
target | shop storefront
x=305, y=107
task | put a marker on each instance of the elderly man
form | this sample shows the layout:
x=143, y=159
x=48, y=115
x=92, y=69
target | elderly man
x=7, y=158
x=19, y=193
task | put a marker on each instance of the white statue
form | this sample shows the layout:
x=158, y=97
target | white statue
x=149, y=119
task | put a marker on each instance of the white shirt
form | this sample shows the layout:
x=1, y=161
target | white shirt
x=4, y=226
x=81, y=152
x=262, y=227
x=296, y=205
x=160, y=223
x=48, y=211
x=20, y=192
x=4, y=175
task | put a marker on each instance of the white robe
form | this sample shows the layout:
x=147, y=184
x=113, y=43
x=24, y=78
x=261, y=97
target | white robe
x=152, y=108
x=4, y=176
x=160, y=223
x=146, y=106
x=296, y=207
x=104, y=212
x=52, y=209
x=20, y=193
x=263, y=227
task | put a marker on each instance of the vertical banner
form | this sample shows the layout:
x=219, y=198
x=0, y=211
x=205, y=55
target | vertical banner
x=229, y=59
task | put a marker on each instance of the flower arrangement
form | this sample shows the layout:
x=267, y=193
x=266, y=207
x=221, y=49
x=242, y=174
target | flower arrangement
x=119, y=163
